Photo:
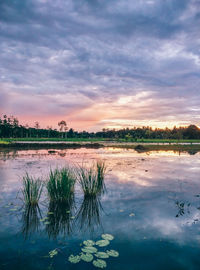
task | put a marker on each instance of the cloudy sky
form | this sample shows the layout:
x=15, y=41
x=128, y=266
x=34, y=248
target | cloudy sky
x=100, y=63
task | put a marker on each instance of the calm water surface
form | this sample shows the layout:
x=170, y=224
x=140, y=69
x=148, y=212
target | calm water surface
x=152, y=208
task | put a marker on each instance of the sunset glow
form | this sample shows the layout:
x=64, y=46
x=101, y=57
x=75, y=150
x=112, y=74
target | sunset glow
x=100, y=64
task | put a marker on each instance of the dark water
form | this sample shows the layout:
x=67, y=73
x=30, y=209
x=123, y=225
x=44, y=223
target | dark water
x=152, y=208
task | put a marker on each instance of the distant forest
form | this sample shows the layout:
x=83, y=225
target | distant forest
x=11, y=128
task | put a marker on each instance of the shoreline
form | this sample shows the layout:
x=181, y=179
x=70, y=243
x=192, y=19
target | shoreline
x=191, y=148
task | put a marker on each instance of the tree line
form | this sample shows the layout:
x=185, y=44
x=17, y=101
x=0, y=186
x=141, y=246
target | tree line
x=11, y=128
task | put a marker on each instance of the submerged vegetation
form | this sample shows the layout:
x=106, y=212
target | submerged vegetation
x=92, y=179
x=32, y=190
x=60, y=185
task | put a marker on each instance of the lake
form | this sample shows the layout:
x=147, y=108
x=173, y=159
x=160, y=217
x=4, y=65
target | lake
x=151, y=208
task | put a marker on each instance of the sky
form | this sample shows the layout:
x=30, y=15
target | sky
x=100, y=63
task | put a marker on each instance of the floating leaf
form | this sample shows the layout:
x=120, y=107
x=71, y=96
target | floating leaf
x=47, y=223
x=87, y=257
x=67, y=211
x=74, y=259
x=99, y=263
x=89, y=249
x=43, y=219
x=89, y=243
x=107, y=236
x=72, y=217
x=102, y=255
x=102, y=243
x=121, y=210
x=52, y=253
x=112, y=253
x=50, y=213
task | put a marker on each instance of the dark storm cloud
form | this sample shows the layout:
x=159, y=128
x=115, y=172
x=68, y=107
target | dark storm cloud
x=95, y=52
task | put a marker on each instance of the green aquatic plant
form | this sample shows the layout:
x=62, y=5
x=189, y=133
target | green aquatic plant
x=99, y=263
x=53, y=253
x=89, y=243
x=60, y=185
x=92, y=179
x=102, y=255
x=107, y=236
x=32, y=190
x=89, y=249
x=102, y=243
x=113, y=253
x=74, y=259
x=88, y=257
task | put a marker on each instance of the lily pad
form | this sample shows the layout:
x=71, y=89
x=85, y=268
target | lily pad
x=47, y=223
x=89, y=249
x=102, y=243
x=89, y=243
x=102, y=255
x=52, y=253
x=112, y=253
x=99, y=263
x=87, y=257
x=74, y=259
x=107, y=236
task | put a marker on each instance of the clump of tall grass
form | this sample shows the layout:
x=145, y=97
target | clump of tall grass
x=60, y=185
x=32, y=190
x=92, y=179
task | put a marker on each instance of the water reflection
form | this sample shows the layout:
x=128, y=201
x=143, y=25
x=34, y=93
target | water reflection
x=89, y=213
x=60, y=218
x=30, y=220
x=156, y=187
